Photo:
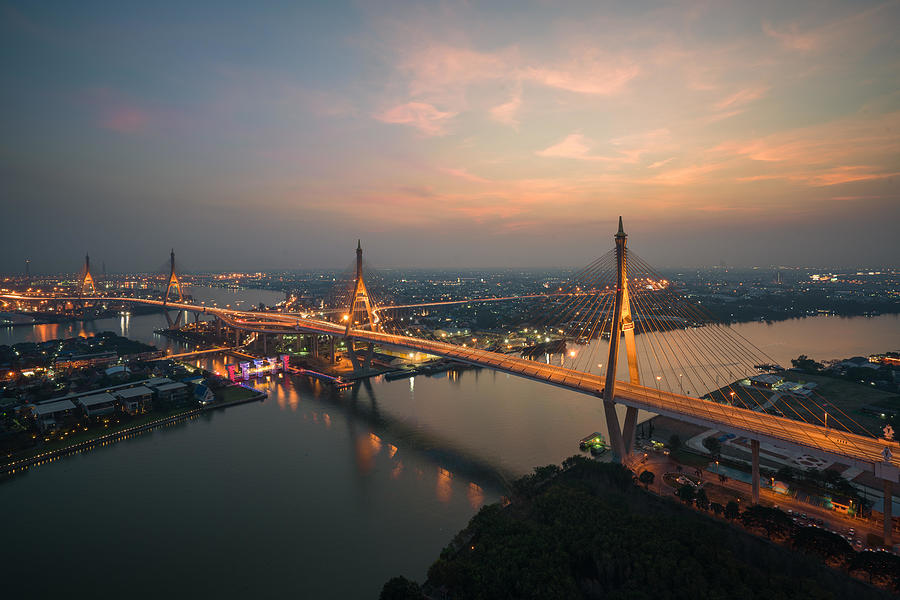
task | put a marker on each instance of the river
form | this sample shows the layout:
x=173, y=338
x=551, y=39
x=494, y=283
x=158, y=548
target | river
x=312, y=493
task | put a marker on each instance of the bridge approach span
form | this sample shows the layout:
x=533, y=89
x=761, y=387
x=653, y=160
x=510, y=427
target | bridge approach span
x=847, y=448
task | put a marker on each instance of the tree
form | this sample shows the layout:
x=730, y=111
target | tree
x=647, y=478
x=686, y=493
x=731, y=510
x=401, y=588
x=702, y=500
x=717, y=508
x=674, y=442
x=806, y=364
x=713, y=445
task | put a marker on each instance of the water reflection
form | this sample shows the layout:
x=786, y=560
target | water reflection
x=444, y=488
x=475, y=495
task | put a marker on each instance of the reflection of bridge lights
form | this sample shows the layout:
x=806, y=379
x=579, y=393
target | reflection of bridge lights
x=444, y=485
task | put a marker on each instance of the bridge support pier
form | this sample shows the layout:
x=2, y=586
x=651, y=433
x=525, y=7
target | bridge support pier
x=629, y=429
x=615, y=434
x=263, y=336
x=888, y=514
x=315, y=346
x=331, y=337
x=360, y=362
x=237, y=337
x=754, y=473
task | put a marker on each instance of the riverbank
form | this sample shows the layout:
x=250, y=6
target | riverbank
x=42, y=456
x=587, y=530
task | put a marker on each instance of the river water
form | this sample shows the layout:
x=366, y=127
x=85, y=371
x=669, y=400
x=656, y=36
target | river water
x=312, y=493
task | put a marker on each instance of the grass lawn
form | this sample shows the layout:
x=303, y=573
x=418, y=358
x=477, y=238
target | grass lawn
x=840, y=394
x=234, y=393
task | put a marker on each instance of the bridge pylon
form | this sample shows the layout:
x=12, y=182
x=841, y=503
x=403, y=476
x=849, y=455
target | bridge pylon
x=361, y=315
x=173, y=282
x=87, y=280
x=622, y=440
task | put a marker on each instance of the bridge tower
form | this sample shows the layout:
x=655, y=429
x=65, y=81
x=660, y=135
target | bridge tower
x=361, y=315
x=622, y=440
x=87, y=279
x=173, y=283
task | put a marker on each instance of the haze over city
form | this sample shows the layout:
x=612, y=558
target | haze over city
x=507, y=134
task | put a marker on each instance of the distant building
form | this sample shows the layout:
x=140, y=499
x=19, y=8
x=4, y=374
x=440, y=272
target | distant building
x=135, y=400
x=203, y=394
x=172, y=393
x=765, y=380
x=52, y=416
x=98, y=405
x=93, y=359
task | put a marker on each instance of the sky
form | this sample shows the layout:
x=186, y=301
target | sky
x=273, y=135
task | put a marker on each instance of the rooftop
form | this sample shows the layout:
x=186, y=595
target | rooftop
x=135, y=392
x=53, y=407
x=103, y=398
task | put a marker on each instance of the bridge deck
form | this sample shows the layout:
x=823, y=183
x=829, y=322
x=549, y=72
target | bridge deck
x=855, y=450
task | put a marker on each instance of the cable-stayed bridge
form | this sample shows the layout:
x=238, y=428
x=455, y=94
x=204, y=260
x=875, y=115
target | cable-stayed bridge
x=616, y=298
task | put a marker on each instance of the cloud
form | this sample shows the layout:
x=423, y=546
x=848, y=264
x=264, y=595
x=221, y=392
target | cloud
x=741, y=97
x=628, y=148
x=125, y=119
x=827, y=177
x=575, y=145
x=792, y=39
x=464, y=174
x=437, y=69
x=424, y=117
x=588, y=76
x=507, y=112
x=660, y=163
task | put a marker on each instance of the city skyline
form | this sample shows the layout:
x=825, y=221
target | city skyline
x=449, y=135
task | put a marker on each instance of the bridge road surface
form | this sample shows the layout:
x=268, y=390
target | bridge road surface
x=858, y=451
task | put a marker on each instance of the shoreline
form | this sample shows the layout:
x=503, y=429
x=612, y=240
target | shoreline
x=25, y=463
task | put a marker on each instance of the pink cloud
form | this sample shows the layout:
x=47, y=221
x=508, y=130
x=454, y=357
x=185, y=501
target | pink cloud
x=660, y=163
x=574, y=145
x=628, y=148
x=507, y=112
x=741, y=97
x=424, y=117
x=793, y=39
x=464, y=174
x=127, y=119
x=441, y=68
x=585, y=77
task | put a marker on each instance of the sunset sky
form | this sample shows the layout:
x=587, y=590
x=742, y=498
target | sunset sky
x=448, y=134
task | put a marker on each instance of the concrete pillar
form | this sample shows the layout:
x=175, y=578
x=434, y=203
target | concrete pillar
x=615, y=434
x=237, y=337
x=888, y=514
x=629, y=429
x=315, y=346
x=263, y=336
x=332, y=349
x=218, y=327
x=298, y=343
x=754, y=474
